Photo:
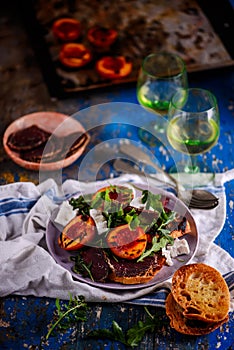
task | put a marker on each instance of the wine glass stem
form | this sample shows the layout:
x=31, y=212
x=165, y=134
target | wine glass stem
x=193, y=167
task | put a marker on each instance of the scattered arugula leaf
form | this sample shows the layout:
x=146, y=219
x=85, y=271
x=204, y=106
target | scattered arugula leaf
x=116, y=333
x=133, y=336
x=76, y=310
x=69, y=313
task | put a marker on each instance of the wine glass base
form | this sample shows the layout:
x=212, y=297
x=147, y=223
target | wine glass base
x=185, y=168
x=192, y=176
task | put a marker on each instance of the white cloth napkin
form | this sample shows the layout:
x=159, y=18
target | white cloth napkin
x=27, y=268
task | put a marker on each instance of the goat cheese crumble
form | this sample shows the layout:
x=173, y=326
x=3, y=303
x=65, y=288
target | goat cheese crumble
x=99, y=220
x=65, y=214
x=179, y=247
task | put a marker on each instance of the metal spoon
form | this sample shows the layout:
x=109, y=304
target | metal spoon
x=194, y=199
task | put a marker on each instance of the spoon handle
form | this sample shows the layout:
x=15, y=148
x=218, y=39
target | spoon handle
x=137, y=154
x=121, y=165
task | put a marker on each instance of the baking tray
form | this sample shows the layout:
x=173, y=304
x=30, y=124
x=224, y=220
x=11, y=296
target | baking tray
x=192, y=29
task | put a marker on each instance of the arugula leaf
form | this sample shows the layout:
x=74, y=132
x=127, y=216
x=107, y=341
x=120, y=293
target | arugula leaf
x=81, y=203
x=133, y=336
x=76, y=310
x=98, y=200
x=137, y=332
x=152, y=200
x=119, y=217
x=169, y=218
x=156, y=246
x=80, y=267
x=67, y=314
x=116, y=333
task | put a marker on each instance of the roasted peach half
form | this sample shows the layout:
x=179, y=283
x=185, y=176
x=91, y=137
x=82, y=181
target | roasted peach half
x=126, y=243
x=101, y=36
x=74, y=55
x=113, y=67
x=66, y=29
x=77, y=233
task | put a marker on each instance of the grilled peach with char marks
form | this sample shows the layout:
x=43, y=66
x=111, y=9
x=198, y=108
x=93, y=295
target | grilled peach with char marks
x=126, y=243
x=77, y=233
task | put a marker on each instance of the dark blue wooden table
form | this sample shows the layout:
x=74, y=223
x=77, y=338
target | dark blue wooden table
x=24, y=320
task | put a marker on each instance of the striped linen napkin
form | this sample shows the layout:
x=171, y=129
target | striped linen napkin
x=27, y=268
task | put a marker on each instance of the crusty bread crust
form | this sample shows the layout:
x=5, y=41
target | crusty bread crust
x=131, y=280
x=187, y=326
x=201, y=292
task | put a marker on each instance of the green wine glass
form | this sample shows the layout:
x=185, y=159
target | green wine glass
x=193, y=126
x=160, y=76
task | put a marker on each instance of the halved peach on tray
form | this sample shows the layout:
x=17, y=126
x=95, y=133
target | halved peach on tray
x=74, y=55
x=101, y=36
x=67, y=29
x=115, y=67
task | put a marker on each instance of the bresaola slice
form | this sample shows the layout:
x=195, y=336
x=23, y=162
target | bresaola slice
x=133, y=272
x=45, y=153
x=96, y=259
x=73, y=142
x=104, y=267
x=27, y=139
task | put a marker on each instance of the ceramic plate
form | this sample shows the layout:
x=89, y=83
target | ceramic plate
x=62, y=257
x=53, y=122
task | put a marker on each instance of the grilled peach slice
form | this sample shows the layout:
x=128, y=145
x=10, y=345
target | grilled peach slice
x=77, y=233
x=125, y=243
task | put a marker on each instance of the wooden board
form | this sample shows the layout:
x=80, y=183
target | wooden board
x=143, y=27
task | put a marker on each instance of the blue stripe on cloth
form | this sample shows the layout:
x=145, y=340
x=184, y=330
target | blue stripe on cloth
x=158, y=297
x=9, y=206
x=229, y=278
x=51, y=194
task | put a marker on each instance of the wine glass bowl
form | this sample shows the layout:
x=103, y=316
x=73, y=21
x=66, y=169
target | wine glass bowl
x=193, y=125
x=160, y=76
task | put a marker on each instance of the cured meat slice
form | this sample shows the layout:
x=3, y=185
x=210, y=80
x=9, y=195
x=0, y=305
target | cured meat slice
x=133, y=272
x=27, y=138
x=46, y=152
x=73, y=142
x=95, y=258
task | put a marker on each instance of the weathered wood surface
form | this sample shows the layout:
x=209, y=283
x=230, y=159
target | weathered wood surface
x=24, y=320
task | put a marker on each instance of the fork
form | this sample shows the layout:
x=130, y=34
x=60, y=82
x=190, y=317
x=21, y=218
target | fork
x=200, y=199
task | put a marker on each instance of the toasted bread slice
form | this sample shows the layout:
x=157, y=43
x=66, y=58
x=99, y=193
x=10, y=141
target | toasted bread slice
x=187, y=326
x=201, y=292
